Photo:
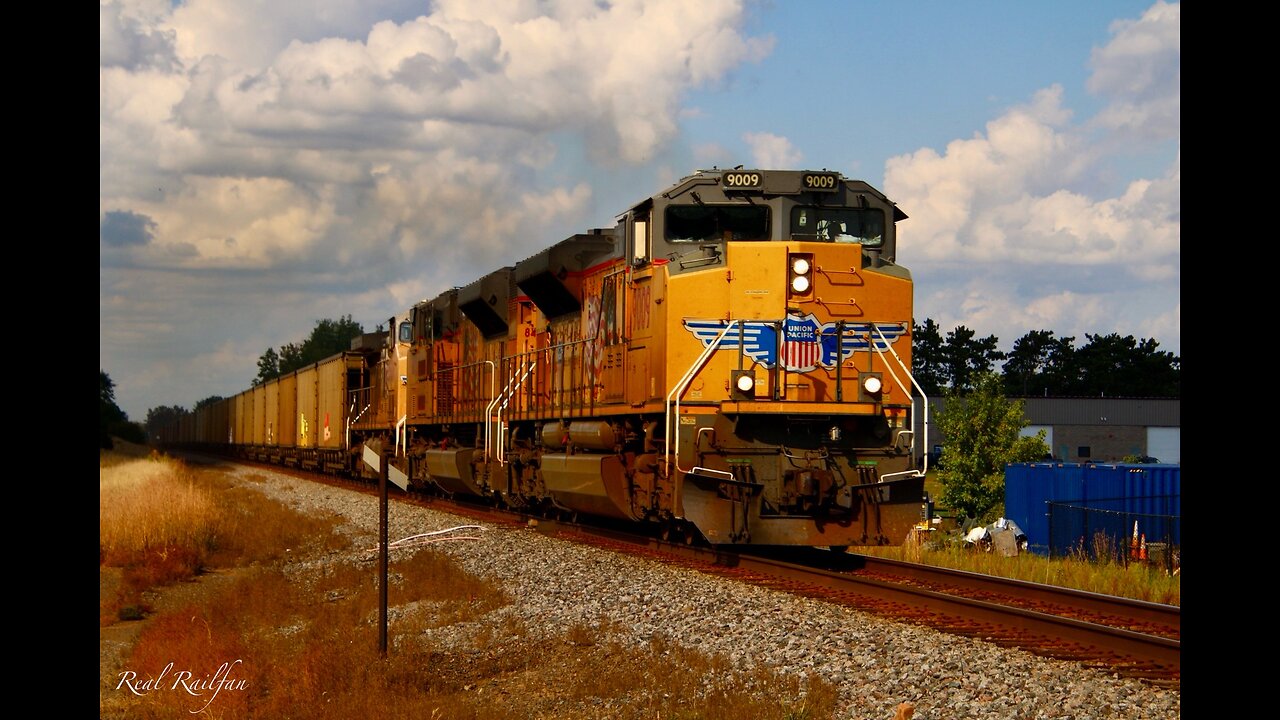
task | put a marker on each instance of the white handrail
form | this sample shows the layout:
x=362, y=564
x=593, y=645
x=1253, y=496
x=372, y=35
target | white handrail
x=493, y=372
x=673, y=441
x=924, y=398
x=502, y=430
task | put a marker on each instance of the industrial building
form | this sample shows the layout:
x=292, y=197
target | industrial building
x=1078, y=429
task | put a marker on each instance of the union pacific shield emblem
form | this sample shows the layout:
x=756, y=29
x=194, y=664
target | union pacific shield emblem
x=804, y=343
x=801, y=349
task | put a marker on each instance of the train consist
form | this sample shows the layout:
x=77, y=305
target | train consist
x=729, y=364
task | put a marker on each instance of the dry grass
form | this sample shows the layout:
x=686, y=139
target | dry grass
x=1135, y=580
x=316, y=656
x=162, y=522
x=304, y=644
x=152, y=505
x=155, y=523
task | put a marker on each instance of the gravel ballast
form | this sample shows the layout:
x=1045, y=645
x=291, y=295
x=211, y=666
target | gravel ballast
x=876, y=664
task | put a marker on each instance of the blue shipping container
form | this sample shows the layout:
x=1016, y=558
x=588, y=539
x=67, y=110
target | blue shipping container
x=1148, y=494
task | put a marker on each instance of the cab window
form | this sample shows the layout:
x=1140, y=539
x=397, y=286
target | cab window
x=715, y=223
x=843, y=225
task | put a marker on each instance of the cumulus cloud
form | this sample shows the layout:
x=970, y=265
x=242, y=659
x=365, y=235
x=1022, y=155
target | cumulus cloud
x=310, y=115
x=772, y=151
x=990, y=212
x=360, y=156
x=129, y=36
x=1140, y=72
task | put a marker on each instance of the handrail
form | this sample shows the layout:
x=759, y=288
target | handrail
x=711, y=471
x=346, y=430
x=489, y=420
x=493, y=372
x=925, y=398
x=674, y=440
x=502, y=430
x=825, y=271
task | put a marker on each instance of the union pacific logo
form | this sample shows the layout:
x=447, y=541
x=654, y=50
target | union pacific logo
x=805, y=344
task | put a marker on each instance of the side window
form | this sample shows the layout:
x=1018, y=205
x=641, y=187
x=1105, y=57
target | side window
x=640, y=249
x=690, y=223
x=716, y=223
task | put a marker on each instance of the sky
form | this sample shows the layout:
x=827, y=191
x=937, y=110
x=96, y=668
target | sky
x=264, y=166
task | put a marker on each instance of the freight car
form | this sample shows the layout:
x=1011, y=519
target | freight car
x=729, y=364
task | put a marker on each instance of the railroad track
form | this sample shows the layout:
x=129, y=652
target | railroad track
x=1129, y=637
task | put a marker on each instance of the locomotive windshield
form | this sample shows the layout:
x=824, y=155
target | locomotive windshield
x=703, y=223
x=843, y=225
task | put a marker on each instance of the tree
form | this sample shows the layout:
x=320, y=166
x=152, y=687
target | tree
x=268, y=367
x=1124, y=366
x=1040, y=364
x=112, y=421
x=161, y=417
x=207, y=402
x=108, y=412
x=928, y=360
x=982, y=429
x=328, y=338
x=966, y=357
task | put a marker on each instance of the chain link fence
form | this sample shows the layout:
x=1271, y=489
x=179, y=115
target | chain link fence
x=1108, y=530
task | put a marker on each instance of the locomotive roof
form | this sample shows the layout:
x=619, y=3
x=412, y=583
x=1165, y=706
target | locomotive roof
x=776, y=182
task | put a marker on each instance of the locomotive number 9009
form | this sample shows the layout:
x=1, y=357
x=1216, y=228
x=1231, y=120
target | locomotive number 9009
x=820, y=181
x=742, y=179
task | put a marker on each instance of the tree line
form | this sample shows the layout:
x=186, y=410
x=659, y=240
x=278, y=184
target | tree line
x=1042, y=364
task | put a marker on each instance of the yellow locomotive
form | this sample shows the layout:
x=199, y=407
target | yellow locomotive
x=730, y=362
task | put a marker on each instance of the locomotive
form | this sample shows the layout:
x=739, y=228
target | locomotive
x=728, y=364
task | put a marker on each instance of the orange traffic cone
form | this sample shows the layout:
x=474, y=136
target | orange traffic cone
x=1142, y=548
x=1133, y=542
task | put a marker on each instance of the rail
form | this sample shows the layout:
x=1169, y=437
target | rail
x=924, y=398
x=561, y=391
x=673, y=439
x=502, y=429
x=488, y=410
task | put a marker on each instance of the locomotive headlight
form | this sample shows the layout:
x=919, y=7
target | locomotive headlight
x=742, y=385
x=799, y=274
x=872, y=385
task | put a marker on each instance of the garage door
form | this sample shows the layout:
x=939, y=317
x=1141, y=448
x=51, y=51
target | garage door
x=1165, y=444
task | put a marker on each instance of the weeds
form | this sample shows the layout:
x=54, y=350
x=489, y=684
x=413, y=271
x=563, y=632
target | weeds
x=1108, y=574
x=285, y=642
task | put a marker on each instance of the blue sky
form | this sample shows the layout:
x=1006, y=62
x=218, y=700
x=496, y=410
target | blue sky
x=264, y=166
